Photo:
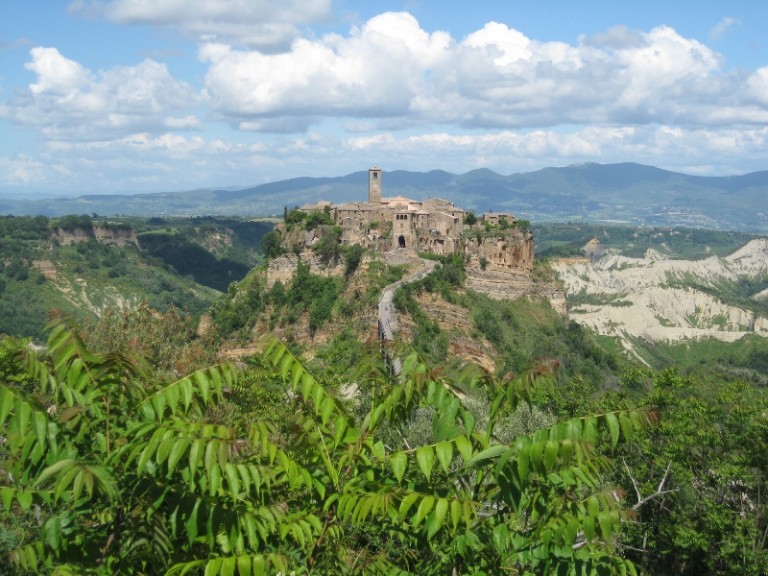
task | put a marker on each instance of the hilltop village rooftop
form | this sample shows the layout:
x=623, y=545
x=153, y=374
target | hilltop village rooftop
x=402, y=220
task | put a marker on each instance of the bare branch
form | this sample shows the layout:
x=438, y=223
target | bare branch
x=660, y=491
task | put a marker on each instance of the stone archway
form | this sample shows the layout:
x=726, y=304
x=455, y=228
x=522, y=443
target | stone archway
x=401, y=241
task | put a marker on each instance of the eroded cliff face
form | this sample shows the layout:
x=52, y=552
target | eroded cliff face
x=116, y=236
x=120, y=237
x=511, y=285
x=283, y=269
x=463, y=341
x=652, y=298
x=510, y=251
x=500, y=266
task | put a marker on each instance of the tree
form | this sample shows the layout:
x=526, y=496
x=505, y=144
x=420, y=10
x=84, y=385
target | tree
x=328, y=246
x=272, y=244
x=470, y=219
x=353, y=255
x=134, y=476
x=710, y=451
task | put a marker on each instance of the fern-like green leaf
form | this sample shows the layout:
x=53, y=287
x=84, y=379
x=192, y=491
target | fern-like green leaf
x=425, y=459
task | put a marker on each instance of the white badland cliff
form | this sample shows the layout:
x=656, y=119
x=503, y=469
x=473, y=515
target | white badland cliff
x=651, y=297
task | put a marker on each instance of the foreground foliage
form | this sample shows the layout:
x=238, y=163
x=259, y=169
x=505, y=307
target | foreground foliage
x=121, y=474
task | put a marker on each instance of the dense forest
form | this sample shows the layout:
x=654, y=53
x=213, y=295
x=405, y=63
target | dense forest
x=130, y=445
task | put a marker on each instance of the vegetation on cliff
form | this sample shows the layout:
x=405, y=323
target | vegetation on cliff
x=110, y=469
x=167, y=263
x=564, y=456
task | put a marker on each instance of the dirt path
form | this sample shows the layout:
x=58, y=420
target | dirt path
x=387, y=315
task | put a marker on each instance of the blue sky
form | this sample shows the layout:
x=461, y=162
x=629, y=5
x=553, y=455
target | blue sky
x=139, y=96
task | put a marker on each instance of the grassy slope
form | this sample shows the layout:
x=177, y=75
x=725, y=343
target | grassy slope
x=194, y=260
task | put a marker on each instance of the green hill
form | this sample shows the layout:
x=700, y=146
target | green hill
x=513, y=440
x=82, y=266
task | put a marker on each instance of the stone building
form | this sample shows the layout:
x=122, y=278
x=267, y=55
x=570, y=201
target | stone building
x=433, y=226
x=496, y=218
x=397, y=222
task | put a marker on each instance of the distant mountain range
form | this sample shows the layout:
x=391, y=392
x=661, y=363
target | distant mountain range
x=624, y=193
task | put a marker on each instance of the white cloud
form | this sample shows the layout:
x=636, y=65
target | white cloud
x=666, y=73
x=264, y=24
x=376, y=72
x=393, y=72
x=388, y=93
x=503, y=45
x=757, y=86
x=55, y=73
x=68, y=101
x=721, y=28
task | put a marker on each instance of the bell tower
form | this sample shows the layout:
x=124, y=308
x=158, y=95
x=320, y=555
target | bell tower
x=374, y=185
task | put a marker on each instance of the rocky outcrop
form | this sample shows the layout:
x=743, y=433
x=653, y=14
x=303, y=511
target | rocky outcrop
x=510, y=251
x=217, y=241
x=454, y=321
x=72, y=236
x=502, y=284
x=283, y=268
x=653, y=298
x=117, y=236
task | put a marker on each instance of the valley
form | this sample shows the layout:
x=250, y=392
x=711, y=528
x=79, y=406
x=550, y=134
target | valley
x=659, y=298
x=644, y=346
x=625, y=194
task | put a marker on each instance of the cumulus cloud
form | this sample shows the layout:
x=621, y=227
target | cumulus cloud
x=757, y=86
x=67, y=101
x=376, y=72
x=392, y=71
x=263, y=24
x=55, y=73
x=387, y=92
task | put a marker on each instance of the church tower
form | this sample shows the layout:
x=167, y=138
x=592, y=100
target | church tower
x=374, y=185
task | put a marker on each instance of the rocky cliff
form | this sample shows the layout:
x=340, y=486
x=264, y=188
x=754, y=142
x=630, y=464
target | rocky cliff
x=117, y=236
x=283, y=269
x=660, y=299
x=510, y=251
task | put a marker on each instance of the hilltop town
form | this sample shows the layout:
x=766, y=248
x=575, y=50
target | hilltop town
x=431, y=226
